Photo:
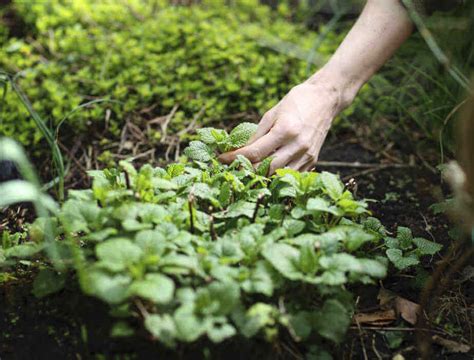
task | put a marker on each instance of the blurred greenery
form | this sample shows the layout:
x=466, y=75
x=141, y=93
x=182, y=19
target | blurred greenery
x=148, y=57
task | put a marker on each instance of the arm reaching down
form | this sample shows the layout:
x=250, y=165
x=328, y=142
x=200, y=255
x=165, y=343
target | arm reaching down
x=294, y=130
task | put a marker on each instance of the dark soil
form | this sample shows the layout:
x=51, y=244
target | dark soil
x=69, y=325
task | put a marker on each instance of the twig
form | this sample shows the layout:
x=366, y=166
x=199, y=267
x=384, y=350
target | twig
x=164, y=127
x=392, y=328
x=361, y=173
x=257, y=205
x=374, y=348
x=364, y=351
x=141, y=308
x=359, y=165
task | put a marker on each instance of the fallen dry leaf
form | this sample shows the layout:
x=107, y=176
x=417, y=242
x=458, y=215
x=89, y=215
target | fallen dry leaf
x=450, y=345
x=376, y=318
x=407, y=309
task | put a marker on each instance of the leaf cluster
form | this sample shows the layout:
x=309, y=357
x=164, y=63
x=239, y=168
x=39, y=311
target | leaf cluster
x=202, y=249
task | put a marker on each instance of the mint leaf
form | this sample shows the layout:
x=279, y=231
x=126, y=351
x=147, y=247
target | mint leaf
x=110, y=288
x=332, y=185
x=154, y=287
x=241, y=134
x=426, y=247
x=321, y=205
x=162, y=327
x=284, y=258
x=48, y=282
x=198, y=151
x=401, y=262
x=332, y=321
x=264, y=166
x=117, y=254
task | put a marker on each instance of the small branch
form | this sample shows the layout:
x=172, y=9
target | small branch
x=143, y=311
x=257, y=205
x=359, y=165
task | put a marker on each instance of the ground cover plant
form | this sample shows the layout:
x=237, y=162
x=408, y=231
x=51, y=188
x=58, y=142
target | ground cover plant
x=201, y=249
x=139, y=60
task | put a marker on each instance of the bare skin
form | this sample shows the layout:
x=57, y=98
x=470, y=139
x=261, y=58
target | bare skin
x=294, y=130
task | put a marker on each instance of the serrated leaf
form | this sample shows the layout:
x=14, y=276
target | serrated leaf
x=284, y=258
x=175, y=170
x=264, y=166
x=241, y=134
x=198, y=151
x=374, y=224
x=245, y=163
x=426, y=247
x=401, y=262
x=205, y=135
x=405, y=237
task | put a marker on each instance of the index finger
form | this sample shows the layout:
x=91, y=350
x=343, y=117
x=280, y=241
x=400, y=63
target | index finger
x=256, y=151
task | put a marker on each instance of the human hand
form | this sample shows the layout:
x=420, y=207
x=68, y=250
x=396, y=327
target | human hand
x=294, y=130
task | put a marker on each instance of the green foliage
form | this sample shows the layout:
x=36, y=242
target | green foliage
x=210, y=250
x=207, y=59
x=405, y=251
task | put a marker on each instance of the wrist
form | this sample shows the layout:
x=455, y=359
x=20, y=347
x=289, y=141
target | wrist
x=345, y=87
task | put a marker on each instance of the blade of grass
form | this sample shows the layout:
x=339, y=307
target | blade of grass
x=47, y=133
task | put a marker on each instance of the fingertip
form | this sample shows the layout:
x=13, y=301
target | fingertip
x=227, y=157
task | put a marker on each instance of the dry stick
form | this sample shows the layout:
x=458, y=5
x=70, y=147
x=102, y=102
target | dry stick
x=374, y=349
x=392, y=328
x=364, y=172
x=362, y=341
x=359, y=165
x=127, y=180
x=143, y=311
x=168, y=119
x=257, y=205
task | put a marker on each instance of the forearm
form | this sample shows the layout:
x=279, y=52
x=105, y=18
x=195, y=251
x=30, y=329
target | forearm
x=380, y=30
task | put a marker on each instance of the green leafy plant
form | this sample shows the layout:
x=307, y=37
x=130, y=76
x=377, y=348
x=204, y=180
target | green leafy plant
x=200, y=249
x=405, y=251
